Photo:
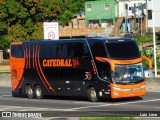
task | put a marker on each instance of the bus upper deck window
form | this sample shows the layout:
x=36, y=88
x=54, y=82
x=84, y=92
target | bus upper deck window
x=17, y=51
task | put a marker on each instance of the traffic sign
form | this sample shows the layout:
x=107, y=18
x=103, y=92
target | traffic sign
x=51, y=35
x=51, y=30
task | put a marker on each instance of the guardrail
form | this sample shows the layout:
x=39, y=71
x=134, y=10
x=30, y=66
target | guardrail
x=153, y=84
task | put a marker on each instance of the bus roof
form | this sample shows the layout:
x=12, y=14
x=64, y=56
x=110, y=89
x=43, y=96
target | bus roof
x=100, y=39
x=110, y=39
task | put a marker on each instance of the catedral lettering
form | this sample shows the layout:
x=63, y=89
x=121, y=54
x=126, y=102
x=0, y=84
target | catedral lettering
x=85, y=67
x=57, y=63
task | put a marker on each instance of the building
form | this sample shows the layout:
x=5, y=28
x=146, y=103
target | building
x=156, y=10
x=113, y=17
x=126, y=15
x=133, y=12
x=100, y=13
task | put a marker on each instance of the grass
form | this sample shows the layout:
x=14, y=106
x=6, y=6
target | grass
x=1, y=73
x=107, y=118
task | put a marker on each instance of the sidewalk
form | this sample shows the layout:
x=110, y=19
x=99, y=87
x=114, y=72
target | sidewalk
x=4, y=67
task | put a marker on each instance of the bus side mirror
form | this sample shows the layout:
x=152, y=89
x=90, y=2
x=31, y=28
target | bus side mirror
x=148, y=60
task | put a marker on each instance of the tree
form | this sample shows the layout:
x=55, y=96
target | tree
x=23, y=19
x=68, y=9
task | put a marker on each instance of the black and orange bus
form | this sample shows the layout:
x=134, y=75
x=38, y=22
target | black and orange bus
x=86, y=67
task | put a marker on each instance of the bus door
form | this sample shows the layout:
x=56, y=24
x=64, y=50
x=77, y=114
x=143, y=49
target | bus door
x=104, y=74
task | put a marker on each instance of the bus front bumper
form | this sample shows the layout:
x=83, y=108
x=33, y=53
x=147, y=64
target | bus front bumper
x=122, y=91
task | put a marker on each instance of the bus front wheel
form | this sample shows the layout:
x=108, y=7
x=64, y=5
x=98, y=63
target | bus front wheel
x=30, y=92
x=92, y=95
x=38, y=92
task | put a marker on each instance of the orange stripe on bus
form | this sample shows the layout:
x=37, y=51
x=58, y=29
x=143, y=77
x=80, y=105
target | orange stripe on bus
x=33, y=56
x=21, y=82
x=113, y=62
x=16, y=43
x=29, y=57
x=148, y=60
x=26, y=57
x=93, y=66
x=24, y=54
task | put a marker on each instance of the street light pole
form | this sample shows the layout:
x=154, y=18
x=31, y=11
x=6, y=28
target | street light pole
x=125, y=7
x=154, y=42
x=146, y=16
x=141, y=24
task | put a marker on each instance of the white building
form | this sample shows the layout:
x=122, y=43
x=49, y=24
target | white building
x=130, y=7
x=156, y=10
x=133, y=12
x=136, y=10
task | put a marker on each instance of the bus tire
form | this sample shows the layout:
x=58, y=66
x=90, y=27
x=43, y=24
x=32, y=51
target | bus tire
x=30, y=92
x=38, y=92
x=92, y=94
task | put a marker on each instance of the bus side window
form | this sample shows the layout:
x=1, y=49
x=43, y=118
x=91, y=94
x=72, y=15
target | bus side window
x=104, y=70
x=52, y=53
x=17, y=51
x=63, y=50
x=81, y=50
x=98, y=50
x=70, y=49
x=44, y=49
x=58, y=50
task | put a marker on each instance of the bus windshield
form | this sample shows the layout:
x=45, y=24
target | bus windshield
x=128, y=73
x=122, y=50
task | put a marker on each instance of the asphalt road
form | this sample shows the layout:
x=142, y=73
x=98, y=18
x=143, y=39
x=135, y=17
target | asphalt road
x=76, y=107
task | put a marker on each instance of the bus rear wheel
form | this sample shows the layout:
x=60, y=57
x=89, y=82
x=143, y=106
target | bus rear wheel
x=38, y=92
x=92, y=95
x=30, y=92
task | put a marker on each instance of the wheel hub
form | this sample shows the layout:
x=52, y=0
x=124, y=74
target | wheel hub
x=93, y=94
x=38, y=92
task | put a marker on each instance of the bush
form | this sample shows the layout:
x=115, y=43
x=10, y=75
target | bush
x=4, y=42
x=144, y=39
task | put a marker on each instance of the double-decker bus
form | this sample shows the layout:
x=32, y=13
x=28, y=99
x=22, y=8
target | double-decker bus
x=87, y=67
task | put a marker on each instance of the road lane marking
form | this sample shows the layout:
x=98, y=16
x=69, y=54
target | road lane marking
x=104, y=105
x=5, y=95
x=12, y=107
x=30, y=108
x=45, y=109
x=88, y=103
x=157, y=107
x=34, y=109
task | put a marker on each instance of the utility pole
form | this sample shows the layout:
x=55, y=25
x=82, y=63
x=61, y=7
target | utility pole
x=141, y=17
x=127, y=17
x=138, y=17
x=125, y=7
x=141, y=24
x=134, y=16
x=146, y=16
x=154, y=42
